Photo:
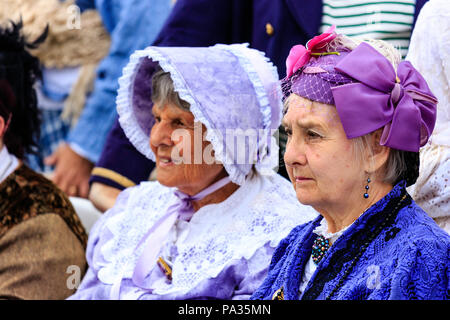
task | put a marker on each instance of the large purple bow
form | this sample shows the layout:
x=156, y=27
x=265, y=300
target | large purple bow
x=406, y=107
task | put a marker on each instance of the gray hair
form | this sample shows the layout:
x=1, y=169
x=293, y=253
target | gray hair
x=386, y=49
x=163, y=91
x=396, y=164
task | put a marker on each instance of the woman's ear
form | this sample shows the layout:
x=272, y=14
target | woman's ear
x=2, y=127
x=379, y=155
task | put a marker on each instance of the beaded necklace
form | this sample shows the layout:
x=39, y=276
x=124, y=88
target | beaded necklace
x=322, y=244
x=320, y=248
x=364, y=247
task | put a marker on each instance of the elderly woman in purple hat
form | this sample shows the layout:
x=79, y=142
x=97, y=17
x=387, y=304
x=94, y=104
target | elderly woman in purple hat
x=356, y=117
x=207, y=228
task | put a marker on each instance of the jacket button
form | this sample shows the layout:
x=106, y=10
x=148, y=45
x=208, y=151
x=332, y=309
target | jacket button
x=269, y=29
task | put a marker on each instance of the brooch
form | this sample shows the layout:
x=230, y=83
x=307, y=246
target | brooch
x=320, y=248
x=279, y=294
x=165, y=267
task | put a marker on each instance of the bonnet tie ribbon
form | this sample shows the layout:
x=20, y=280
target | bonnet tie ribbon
x=403, y=104
x=157, y=234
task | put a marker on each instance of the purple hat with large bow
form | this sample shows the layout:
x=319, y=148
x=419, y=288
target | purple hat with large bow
x=367, y=93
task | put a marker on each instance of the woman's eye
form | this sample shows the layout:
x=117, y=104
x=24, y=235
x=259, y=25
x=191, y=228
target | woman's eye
x=288, y=131
x=313, y=135
x=157, y=119
x=178, y=122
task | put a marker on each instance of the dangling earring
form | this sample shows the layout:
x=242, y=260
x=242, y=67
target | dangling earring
x=366, y=194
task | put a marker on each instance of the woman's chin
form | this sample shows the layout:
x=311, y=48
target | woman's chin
x=305, y=198
x=165, y=180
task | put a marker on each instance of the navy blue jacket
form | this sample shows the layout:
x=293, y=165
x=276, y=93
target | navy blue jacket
x=272, y=26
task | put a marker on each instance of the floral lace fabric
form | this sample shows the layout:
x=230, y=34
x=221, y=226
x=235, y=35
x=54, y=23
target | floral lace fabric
x=260, y=212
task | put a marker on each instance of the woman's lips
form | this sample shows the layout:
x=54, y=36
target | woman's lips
x=165, y=161
x=302, y=179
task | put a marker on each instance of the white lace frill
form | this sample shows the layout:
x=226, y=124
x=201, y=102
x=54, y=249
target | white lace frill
x=322, y=230
x=266, y=92
x=263, y=210
x=127, y=119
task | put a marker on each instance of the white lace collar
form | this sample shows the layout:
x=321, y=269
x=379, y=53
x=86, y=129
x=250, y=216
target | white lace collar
x=260, y=211
x=322, y=230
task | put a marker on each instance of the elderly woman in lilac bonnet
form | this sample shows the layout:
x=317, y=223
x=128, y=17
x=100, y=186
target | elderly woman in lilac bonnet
x=209, y=224
x=356, y=117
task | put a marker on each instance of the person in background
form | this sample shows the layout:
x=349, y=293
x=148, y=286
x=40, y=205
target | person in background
x=182, y=236
x=356, y=118
x=68, y=62
x=41, y=237
x=269, y=26
x=429, y=53
x=131, y=25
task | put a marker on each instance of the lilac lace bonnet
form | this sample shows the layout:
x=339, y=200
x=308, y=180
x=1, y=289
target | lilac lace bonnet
x=231, y=89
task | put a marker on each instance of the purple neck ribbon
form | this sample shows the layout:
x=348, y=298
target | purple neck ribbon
x=157, y=234
x=404, y=105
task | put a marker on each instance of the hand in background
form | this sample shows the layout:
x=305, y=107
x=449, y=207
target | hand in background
x=72, y=172
x=103, y=196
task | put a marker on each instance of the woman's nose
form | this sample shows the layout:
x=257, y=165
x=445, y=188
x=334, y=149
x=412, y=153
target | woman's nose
x=161, y=134
x=294, y=154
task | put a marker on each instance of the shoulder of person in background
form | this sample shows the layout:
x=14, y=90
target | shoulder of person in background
x=41, y=239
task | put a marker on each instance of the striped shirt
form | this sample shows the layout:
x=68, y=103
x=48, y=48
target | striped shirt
x=385, y=20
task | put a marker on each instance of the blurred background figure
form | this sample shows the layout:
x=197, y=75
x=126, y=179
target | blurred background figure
x=132, y=25
x=430, y=54
x=270, y=26
x=40, y=234
x=89, y=44
x=69, y=61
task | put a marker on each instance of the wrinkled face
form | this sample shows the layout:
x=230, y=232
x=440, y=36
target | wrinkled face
x=180, y=150
x=319, y=158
